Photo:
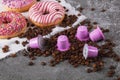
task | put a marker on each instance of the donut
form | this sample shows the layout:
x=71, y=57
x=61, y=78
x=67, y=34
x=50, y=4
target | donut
x=46, y=13
x=18, y=5
x=11, y=24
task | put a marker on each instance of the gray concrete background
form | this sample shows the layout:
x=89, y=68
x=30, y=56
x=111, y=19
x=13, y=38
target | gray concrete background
x=17, y=68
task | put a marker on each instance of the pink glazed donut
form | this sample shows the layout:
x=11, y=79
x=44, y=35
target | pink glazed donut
x=46, y=13
x=18, y=5
x=11, y=24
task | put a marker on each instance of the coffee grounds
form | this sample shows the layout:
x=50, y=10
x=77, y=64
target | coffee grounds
x=5, y=49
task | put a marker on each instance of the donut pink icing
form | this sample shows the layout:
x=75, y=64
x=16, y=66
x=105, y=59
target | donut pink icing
x=46, y=12
x=11, y=22
x=17, y=3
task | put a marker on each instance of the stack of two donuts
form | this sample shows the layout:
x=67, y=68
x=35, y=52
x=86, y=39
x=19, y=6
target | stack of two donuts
x=42, y=14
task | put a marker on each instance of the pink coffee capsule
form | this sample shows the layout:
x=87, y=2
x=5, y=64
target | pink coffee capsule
x=63, y=43
x=97, y=35
x=37, y=42
x=82, y=33
x=90, y=51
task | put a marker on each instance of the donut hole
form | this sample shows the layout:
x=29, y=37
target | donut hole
x=45, y=13
x=57, y=9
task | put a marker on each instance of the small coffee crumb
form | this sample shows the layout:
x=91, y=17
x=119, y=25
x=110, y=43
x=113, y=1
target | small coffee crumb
x=43, y=63
x=59, y=1
x=13, y=55
x=66, y=10
x=5, y=49
x=81, y=9
x=118, y=78
x=89, y=70
x=112, y=67
x=95, y=23
x=33, y=58
x=17, y=42
x=64, y=7
x=30, y=63
x=103, y=10
x=79, y=14
x=24, y=43
x=110, y=73
x=92, y=9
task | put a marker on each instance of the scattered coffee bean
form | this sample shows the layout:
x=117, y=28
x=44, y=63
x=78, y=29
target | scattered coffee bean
x=112, y=67
x=13, y=55
x=67, y=10
x=80, y=9
x=103, y=10
x=30, y=63
x=92, y=9
x=95, y=23
x=59, y=1
x=110, y=73
x=68, y=20
x=5, y=49
x=89, y=70
x=43, y=63
x=118, y=78
x=24, y=43
x=79, y=14
x=17, y=42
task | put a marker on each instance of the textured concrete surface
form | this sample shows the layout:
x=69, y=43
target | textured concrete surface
x=17, y=69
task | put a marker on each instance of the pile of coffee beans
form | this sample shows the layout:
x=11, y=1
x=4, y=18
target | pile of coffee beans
x=74, y=56
x=68, y=20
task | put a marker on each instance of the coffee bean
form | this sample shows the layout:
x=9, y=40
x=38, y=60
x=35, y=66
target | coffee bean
x=30, y=63
x=43, y=63
x=110, y=73
x=24, y=43
x=80, y=9
x=112, y=67
x=89, y=70
x=17, y=42
x=5, y=49
x=103, y=10
x=13, y=55
x=92, y=9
